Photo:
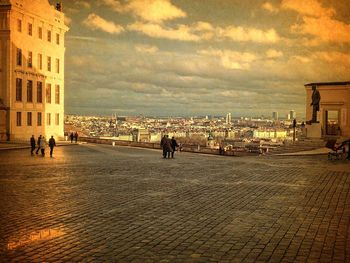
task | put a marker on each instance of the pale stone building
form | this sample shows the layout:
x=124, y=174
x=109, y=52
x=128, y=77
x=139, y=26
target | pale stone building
x=31, y=69
x=334, y=112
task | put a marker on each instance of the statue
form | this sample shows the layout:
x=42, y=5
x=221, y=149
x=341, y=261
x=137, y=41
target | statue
x=315, y=103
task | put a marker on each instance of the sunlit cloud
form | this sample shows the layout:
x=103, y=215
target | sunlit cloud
x=249, y=34
x=146, y=49
x=318, y=21
x=231, y=59
x=154, y=11
x=269, y=7
x=181, y=32
x=83, y=4
x=96, y=22
x=308, y=7
x=324, y=28
x=272, y=53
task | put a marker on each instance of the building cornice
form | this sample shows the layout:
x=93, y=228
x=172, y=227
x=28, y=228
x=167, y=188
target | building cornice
x=340, y=83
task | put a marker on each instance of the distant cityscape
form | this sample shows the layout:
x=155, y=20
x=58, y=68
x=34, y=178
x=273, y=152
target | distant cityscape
x=238, y=134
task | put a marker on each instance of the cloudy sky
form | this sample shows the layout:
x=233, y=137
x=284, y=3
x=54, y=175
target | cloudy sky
x=202, y=57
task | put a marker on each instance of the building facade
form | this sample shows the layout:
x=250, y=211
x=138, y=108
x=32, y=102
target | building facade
x=334, y=107
x=31, y=69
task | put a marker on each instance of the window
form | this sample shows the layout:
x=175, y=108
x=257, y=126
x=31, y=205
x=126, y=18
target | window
x=57, y=65
x=19, y=57
x=18, y=89
x=19, y=118
x=48, y=119
x=49, y=35
x=19, y=25
x=30, y=59
x=39, y=90
x=30, y=29
x=48, y=93
x=40, y=33
x=57, y=94
x=29, y=91
x=49, y=63
x=39, y=119
x=29, y=118
x=57, y=119
x=57, y=39
x=40, y=61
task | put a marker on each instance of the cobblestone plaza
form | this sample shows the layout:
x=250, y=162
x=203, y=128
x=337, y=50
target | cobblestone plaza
x=98, y=203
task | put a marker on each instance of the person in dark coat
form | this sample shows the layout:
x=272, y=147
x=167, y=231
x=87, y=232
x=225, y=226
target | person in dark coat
x=71, y=137
x=167, y=145
x=52, y=144
x=162, y=145
x=76, y=137
x=38, y=144
x=173, y=145
x=32, y=144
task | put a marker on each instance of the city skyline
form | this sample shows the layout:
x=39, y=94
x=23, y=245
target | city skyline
x=180, y=58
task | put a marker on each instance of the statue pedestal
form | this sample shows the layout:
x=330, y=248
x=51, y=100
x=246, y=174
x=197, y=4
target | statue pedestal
x=314, y=130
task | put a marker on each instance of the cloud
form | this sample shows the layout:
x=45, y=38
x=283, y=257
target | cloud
x=83, y=4
x=308, y=7
x=231, y=59
x=95, y=22
x=324, y=28
x=181, y=32
x=269, y=7
x=154, y=11
x=318, y=21
x=67, y=20
x=272, y=53
x=249, y=34
x=146, y=49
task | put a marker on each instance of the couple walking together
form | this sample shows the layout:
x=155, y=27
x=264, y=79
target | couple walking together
x=168, y=146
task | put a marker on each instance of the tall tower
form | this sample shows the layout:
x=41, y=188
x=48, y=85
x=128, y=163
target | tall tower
x=31, y=69
x=275, y=116
x=228, y=118
x=292, y=114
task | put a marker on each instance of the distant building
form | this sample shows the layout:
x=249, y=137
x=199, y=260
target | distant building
x=228, y=118
x=31, y=69
x=334, y=112
x=292, y=115
x=275, y=116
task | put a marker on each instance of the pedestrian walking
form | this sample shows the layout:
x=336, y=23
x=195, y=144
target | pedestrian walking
x=168, y=147
x=173, y=145
x=38, y=144
x=162, y=145
x=76, y=137
x=71, y=137
x=52, y=144
x=42, y=146
x=32, y=144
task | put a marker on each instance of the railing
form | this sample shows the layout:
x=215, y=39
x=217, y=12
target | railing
x=149, y=145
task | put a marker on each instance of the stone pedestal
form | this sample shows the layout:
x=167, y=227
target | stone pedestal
x=314, y=130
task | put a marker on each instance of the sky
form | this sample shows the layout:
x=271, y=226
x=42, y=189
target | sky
x=201, y=57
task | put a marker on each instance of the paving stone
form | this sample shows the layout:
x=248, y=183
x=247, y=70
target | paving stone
x=97, y=203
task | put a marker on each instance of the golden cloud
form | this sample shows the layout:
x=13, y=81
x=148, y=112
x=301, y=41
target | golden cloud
x=269, y=7
x=249, y=34
x=307, y=7
x=154, y=11
x=182, y=32
x=318, y=21
x=95, y=22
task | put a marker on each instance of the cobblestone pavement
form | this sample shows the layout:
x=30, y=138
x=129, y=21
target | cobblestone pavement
x=95, y=203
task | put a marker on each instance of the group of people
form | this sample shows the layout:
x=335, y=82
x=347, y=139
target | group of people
x=169, y=146
x=41, y=144
x=74, y=136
